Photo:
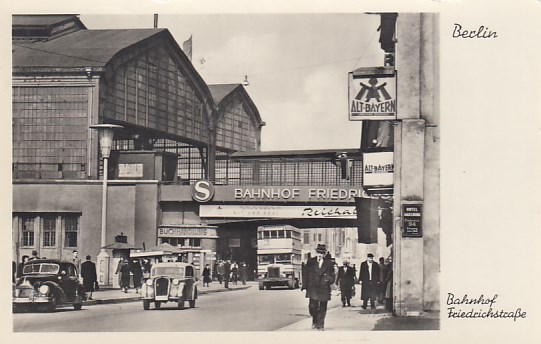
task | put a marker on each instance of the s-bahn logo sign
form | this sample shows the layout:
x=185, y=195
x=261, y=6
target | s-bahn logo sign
x=372, y=96
x=202, y=191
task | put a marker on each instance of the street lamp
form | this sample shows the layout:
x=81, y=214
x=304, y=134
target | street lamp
x=105, y=135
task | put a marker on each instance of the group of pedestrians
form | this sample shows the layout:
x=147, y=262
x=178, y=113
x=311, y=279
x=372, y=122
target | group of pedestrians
x=133, y=269
x=320, y=276
x=226, y=271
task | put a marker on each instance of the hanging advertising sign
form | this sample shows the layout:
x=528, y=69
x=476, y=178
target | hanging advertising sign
x=130, y=170
x=378, y=169
x=412, y=225
x=283, y=212
x=372, y=94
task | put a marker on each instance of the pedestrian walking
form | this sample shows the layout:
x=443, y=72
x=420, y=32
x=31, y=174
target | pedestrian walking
x=227, y=273
x=389, y=285
x=243, y=273
x=317, y=277
x=34, y=255
x=117, y=272
x=346, y=281
x=76, y=261
x=382, y=286
x=146, y=266
x=206, y=276
x=220, y=271
x=369, y=277
x=20, y=266
x=88, y=273
x=234, y=273
x=124, y=274
x=137, y=273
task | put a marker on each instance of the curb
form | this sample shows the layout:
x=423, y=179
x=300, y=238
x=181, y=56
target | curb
x=138, y=298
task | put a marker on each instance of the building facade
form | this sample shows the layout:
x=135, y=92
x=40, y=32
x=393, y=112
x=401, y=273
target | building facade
x=67, y=78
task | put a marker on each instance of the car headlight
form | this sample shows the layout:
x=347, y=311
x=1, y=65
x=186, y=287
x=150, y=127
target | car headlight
x=149, y=282
x=44, y=289
x=176, y=281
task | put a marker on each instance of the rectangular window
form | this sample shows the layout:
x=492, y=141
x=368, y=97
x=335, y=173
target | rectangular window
x=306, y=238
x=71, y=230
x=319, y=237
x=49, y=231
x=28, y=232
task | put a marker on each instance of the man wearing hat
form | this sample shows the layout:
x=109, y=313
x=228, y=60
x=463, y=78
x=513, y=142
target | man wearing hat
x=346, y=281
x=317, y=277
x=369, y=277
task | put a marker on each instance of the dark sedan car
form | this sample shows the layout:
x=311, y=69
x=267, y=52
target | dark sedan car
x=48, y=283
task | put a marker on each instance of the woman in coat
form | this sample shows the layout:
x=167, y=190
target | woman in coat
x=137, y=272
x=125, y=276
x=206, y=276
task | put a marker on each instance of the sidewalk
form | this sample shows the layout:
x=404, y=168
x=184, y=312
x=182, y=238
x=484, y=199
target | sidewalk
x=115, y=295
x=357, y=319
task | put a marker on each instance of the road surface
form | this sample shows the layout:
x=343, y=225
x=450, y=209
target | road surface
x=243, y=310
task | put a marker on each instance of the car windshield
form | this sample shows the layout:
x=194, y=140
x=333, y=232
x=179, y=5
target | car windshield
x=172, y=271
x=41, y=268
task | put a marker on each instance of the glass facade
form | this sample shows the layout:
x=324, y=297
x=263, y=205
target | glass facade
x=49, y=132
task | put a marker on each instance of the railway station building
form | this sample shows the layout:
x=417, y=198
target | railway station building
x=186, y=171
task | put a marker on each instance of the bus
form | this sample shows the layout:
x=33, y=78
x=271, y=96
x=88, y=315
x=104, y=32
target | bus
x=278, y=256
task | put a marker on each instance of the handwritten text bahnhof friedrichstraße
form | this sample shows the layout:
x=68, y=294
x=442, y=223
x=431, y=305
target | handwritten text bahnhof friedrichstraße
x=480, y=313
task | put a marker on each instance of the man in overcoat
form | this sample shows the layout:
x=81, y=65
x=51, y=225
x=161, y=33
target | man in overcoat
x=227, y=272
x=88, y=273
x=346, y=281
x=317, y=277
x=369, y=277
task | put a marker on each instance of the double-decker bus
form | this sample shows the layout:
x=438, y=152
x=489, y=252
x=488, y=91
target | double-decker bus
x=278, y=256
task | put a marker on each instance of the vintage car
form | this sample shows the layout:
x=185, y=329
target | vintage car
x=173, y=281
x=279, y=275
x=48, y=283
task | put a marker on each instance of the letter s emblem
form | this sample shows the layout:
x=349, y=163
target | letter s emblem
x=202, y=191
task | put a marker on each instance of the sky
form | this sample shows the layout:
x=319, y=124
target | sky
x=297, y=66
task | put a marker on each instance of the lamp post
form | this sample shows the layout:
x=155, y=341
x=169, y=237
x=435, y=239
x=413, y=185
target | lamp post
x=105, y=135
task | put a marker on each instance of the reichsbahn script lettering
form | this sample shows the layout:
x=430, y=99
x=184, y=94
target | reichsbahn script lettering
x=482, y=309
x=482, y=32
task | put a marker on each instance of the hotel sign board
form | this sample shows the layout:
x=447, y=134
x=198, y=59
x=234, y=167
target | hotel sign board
x=372, y=94
x=378, y=169
x=412, y=217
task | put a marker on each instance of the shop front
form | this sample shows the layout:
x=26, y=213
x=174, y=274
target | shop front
x=196, y=244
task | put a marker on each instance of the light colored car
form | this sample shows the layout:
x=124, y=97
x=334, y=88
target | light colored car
x=173, y=282
x=48, y=283
x=278, y=275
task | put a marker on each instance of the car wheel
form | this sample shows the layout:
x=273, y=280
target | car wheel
x=268, y=287
x=296, y=283
x=146, y=305
x=181, y=303
x=192, y=303
x=157, y=304
x=261, y=287
x=52, y=306
x=77, y=306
